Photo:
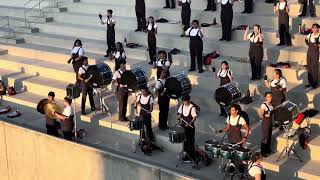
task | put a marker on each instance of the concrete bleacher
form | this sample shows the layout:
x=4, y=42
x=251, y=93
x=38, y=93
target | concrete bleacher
x=39, y=65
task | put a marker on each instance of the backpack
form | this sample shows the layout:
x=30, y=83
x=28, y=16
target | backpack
x=202, y=156
x=3, y=88
x=196, y=106
x=245, y=116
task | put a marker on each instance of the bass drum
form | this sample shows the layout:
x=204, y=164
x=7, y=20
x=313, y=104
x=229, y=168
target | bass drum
x=134, y=79
x=227, y=94
x=101, y=75
x=287, y=111
x=178, y=86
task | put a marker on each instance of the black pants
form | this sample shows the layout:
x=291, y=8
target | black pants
x=86, y=90
x=311, y=7
x=172, y=2
x=248, y=4
x=152, y=46
x=111, y=47
x=313, y=67
x=67, y=135
x=123, y=101
x=52, y=130
x=76, y=66
x=141, y=19
x=255, y=68
x=189, y=143
x=185, y=17
x=284, y=34
x=164, y=111
x=148, y=125
x=266, y=147
x=226, y=21
x=211, y=5
x=196, y=48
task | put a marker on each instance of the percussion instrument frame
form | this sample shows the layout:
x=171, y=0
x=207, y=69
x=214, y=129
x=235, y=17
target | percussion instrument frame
x=102, y=107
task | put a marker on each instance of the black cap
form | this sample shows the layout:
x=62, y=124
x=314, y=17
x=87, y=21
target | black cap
x=185, y=98
x=51, y=94
x=144, y=87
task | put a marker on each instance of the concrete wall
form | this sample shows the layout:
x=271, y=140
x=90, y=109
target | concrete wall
x=29, y=155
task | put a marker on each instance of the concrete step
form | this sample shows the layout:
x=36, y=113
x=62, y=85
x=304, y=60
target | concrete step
x=11, y=39
x=309, y=170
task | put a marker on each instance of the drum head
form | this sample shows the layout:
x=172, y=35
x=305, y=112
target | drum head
x=223, y=96
x=41, y=104
x=178, y=86
x=288, y=111
x=100, y=74
x=134, y=79
x=177, y=130
x=135, y=118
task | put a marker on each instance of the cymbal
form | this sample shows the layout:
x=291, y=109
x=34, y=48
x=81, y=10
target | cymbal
x=50, y=108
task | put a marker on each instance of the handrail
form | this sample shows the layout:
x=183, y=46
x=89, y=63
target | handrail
x=6, y=25
x=29, y=9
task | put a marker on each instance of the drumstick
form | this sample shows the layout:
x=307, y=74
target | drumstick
x=212, y=128
x=186, y=122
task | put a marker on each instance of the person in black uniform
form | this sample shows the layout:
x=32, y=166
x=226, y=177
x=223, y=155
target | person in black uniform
x=225, y=75
x=111, y=35
x=226, y=19
x=185, y=15
x=312, y=8
x=256, y=50
x=234, y=124
x=312, y=40
x=162, y=63
x=122, y=91
x=66, y=118
x=255, y=170
x=188, y=113
x=248, y=4
x=283, y=22
x=77, y=54
x=172, y=2
x=145, y=101
x=163, y=100
x=141, y=15
x=195, y=45
x=278, y=87
x=51, y=124
x=119, y=55
x=266, y=113
x=152, y=30
x=211, y=6
x=85, y=87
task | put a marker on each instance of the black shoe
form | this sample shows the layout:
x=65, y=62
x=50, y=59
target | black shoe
x=313, y=15
x=228, y=40
x=252, y=79
x=207, y=9
x=107, y=55
x=280, y=44
x=190, y=70
x=166, y=7
x=307, y=86
x=182, y=35
x=93, y=109
x=222, y=39
x=201, y=71
x=243, y=12
x=301, y=15
x=137, y=30
x=83, y=112
x=289, y=45
x=150, y=63
x=173, y=7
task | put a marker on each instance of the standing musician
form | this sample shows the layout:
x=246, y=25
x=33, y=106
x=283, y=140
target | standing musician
x=195, y=45
x=188, y=114
x=76, y=59
x=152, y=30
x=119, y=55
x=225, y=75
x=163, y=100
x=111, y=35
x=145, y=101
x=278, y=87
x=256, y=50
x=162, y=64
x=266, y=112
x=51, y=124
x=172, y=2
x=255, y=170
x=122, y=91
x=226, y=16
x=211, y=5
x=66, y=119
x=185, y=15
x=85, y=87
x=234, y=124
x=283, y=22
x=312, y=40
x=141, y=15
x=312, y=8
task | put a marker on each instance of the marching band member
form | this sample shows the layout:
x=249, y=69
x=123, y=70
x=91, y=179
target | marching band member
x=211, y=6
x=162, y=63
x=226, y=19
x=66, y=119
x=189, y=115
x=283, y=22
x=173, y=4
x=85, y=87
x=248, y=4
x=312, y=40
x=256, y=50
x=145, y=101
x=278, y=87
x=119, y=55
x=225, y=75
x=311, y=8
x=76, y=59
x=185, y=15
x=152, y=30
x=195, y=45
x=234, y=124
x=256, y=170
x=141, y=15
x=111, y=35
x=266, y=112
x=51, y=125
x=122, y=91
x=163, y=100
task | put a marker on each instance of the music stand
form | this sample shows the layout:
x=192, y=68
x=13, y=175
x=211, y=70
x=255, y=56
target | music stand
x=102, y=107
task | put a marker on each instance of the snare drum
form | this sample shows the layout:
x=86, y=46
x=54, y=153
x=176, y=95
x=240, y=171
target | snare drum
x=213, y=148
x=287, y=111
x=176, y=135
x=136, y=123
x=134, y=79
x=100, y=75
x=178, y=86
x=227, y=94
x=244, y=154
x=226, y=152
